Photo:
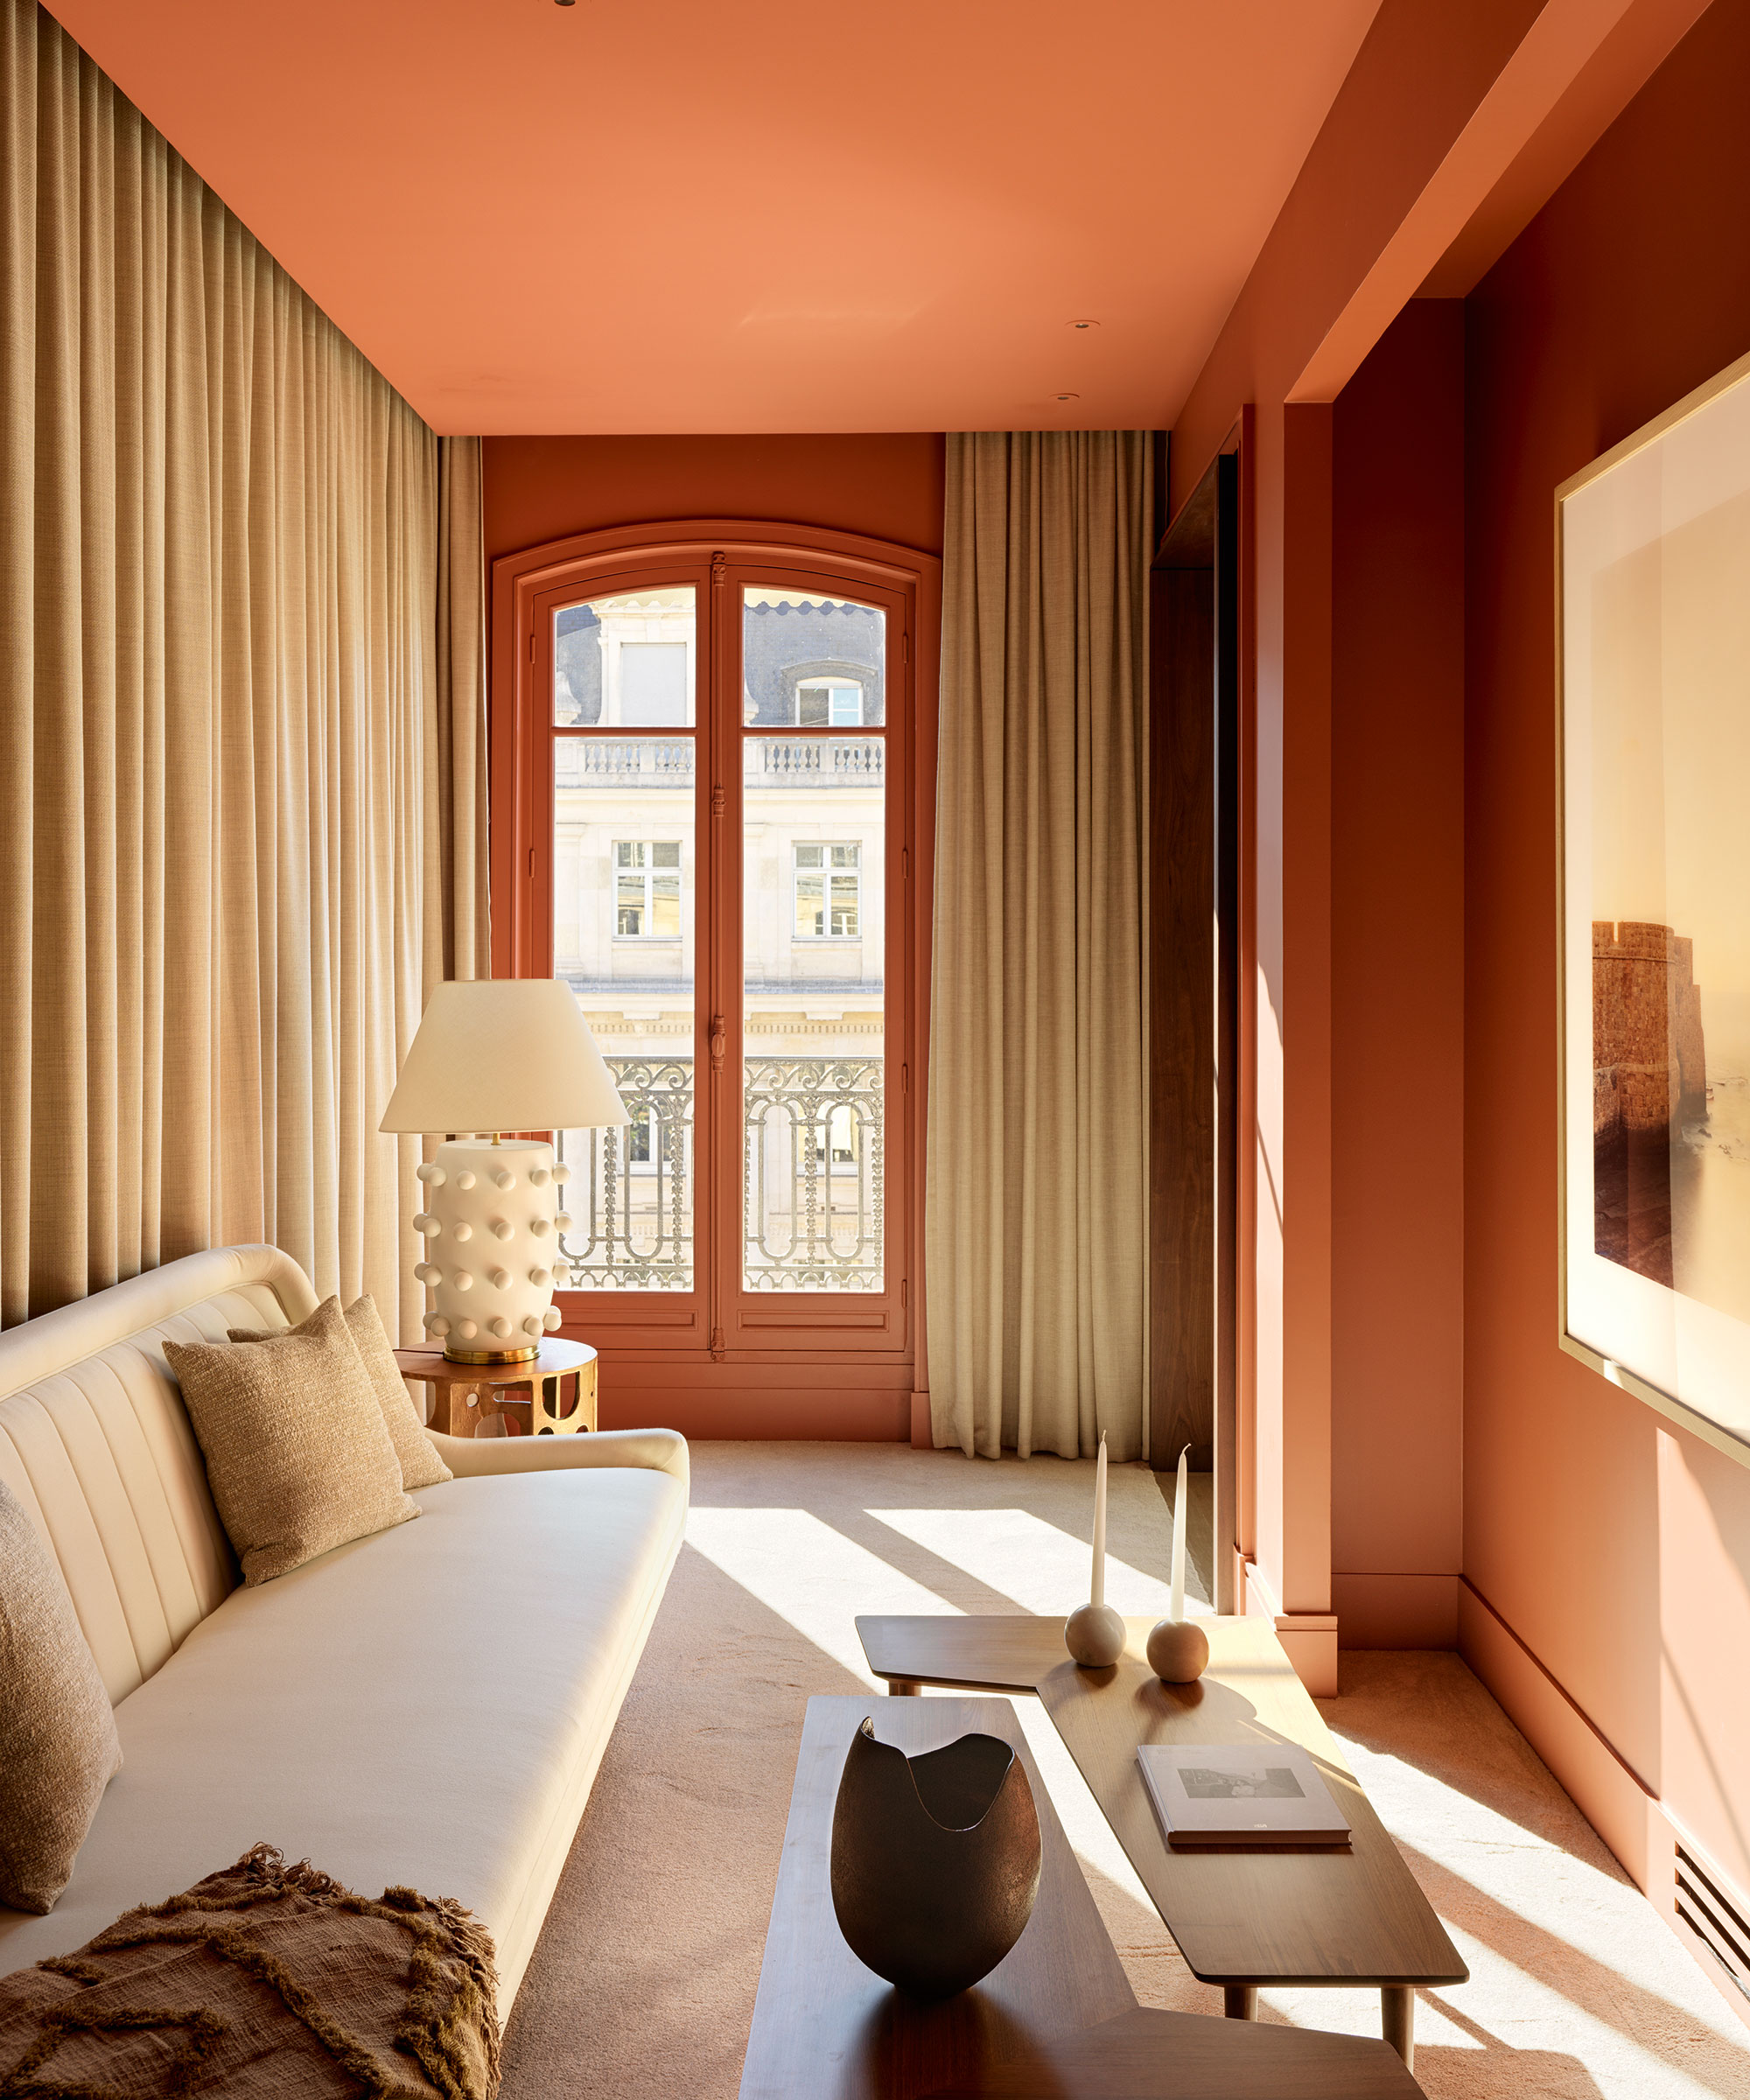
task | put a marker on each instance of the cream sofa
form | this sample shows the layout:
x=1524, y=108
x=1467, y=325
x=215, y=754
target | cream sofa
x=428, y=1706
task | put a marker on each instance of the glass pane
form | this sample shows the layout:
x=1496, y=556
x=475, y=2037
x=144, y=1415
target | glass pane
x=628, y=662
x=812, y=663
x=623, y=933
x=813, y=931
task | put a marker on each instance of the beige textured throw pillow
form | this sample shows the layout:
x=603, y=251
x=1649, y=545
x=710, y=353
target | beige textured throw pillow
x=297, y=1453
x=57, y=1744
x=420, y=1465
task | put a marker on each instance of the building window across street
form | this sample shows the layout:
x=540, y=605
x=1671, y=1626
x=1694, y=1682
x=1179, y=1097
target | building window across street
x=646, y=876
x=827, y=882
x=828, y=703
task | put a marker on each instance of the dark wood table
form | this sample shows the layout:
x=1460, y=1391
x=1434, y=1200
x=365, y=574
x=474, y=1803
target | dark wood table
x=1056, y=2018
x=1148, y=2055
x=827, y=2028
x=1242, y=1920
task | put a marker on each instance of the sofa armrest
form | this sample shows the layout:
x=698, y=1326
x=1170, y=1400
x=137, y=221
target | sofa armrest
x=657, y=1450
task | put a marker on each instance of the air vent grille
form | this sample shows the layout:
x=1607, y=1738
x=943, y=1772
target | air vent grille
x=1715, y=1918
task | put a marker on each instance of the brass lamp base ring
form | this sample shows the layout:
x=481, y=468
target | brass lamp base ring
x=525, y=1355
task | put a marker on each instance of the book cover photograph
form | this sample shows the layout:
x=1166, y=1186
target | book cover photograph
x=1248, y=1794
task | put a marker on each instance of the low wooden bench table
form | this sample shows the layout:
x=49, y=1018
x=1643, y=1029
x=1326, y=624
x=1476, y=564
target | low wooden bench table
x=1056, y=2017
x=1242, y=1920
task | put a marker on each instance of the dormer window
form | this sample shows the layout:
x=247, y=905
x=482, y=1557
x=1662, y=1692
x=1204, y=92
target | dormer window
x=828, y=702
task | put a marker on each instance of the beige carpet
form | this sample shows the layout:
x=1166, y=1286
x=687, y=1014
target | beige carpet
x=642, y=1985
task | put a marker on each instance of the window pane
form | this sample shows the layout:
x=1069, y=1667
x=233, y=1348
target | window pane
x=627, y=661
x=665, y=906
x=811, y=662
x=813, y=846
x=810, y=897
x=623, y=932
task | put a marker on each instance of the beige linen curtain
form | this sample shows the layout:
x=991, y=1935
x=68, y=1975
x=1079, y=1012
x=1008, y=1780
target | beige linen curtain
x=242, y=733
x=1035, y=1223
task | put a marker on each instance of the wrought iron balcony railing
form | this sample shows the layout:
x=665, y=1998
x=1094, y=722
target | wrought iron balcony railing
x=812, y=1173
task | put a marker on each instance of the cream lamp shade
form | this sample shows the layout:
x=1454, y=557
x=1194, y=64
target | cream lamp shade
x=503, y=1053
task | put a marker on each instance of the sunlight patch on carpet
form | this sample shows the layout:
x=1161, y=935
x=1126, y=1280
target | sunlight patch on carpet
x=810, y=1575
x=1043, y=1568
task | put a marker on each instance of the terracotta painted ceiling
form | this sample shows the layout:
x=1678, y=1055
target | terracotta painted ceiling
x=607, y=217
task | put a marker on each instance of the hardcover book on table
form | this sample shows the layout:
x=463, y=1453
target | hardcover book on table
x=1239, y=1794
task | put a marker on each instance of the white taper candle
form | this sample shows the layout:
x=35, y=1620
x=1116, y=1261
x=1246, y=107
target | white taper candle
x=1176, y=1608
x=1097, y=1591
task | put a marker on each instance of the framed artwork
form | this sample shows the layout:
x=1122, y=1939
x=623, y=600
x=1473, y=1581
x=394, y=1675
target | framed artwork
x=1652, y=567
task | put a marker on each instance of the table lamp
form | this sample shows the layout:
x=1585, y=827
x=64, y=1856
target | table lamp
x=501, y=1053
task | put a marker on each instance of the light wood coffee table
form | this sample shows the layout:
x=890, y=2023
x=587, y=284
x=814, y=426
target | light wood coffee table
x=1241, y=1919
x=1056, y=2018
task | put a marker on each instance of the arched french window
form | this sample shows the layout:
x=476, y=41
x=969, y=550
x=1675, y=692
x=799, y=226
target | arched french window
x=713, y=761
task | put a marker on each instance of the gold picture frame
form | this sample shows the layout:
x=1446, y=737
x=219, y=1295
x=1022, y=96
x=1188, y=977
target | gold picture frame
x=1652, y=1013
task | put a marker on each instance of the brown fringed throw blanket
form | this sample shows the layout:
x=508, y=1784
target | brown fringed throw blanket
x=264, y=1982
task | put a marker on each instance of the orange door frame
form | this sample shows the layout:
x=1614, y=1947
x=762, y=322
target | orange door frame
x=720, y=1361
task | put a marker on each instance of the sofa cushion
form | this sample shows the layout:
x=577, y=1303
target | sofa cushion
x=58, y=1745
x=297, y=1450
x=95, y=1443
x=420, y=1465
x=426, y=1706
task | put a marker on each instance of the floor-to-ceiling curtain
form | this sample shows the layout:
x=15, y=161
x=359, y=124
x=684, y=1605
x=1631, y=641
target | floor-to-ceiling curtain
x=1035, y=1206
x=242, y=734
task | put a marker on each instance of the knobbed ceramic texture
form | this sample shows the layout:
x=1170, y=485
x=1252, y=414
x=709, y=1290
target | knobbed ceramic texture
x=935, y=1860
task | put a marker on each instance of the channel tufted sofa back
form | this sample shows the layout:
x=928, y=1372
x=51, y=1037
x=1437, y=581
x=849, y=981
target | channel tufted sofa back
x=95, y=1443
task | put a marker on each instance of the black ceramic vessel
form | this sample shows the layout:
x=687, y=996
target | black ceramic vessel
x=935, y=1860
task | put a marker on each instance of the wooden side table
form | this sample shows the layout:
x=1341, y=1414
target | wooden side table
x=550, y=1395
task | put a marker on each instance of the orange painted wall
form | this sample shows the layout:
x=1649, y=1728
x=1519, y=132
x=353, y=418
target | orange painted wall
x=1615, y=1547
x=1398, y=986
x=889, y=487
x=1417, y=80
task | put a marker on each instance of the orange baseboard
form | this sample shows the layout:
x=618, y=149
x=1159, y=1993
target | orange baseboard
x=795, y=1414
x=1397, y=1611
x=1309, y=1639
x=1606, y=1788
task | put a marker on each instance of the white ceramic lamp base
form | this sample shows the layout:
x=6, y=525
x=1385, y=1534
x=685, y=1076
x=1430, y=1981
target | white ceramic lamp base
x=492, y=1224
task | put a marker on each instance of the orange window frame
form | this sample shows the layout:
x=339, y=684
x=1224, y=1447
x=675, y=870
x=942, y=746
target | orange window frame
x=721, y=1359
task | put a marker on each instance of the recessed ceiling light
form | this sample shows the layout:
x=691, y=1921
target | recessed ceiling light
x=1084, y=324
